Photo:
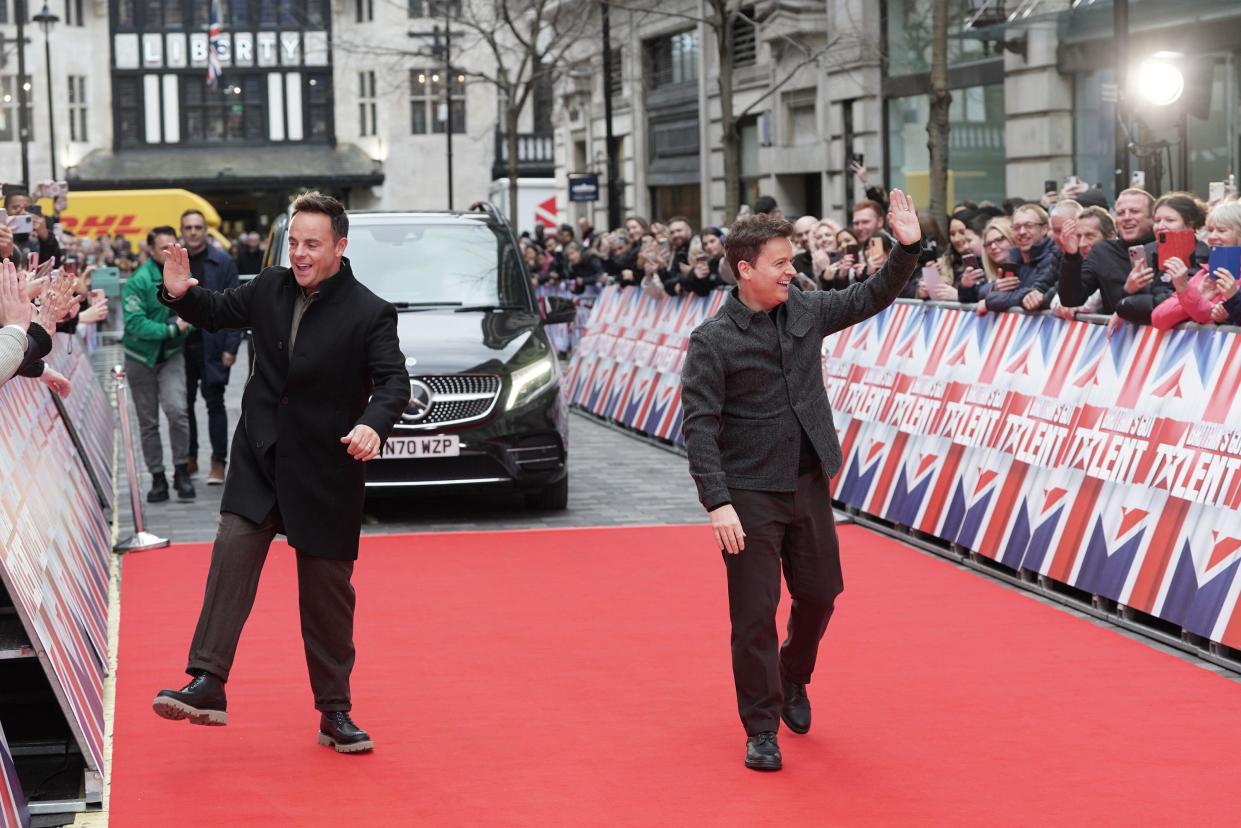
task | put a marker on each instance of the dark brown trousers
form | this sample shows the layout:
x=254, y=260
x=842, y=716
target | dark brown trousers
x=325, y=597
x=796, y=532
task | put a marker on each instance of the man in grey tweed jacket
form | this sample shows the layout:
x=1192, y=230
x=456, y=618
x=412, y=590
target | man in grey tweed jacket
x=761, y=443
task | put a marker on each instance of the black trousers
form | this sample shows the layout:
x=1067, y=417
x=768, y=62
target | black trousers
x=213, y=396
x=796, y=532
x=325, y=596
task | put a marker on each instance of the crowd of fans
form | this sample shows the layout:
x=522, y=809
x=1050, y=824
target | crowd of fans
x=1143, y=260
x=46, y=288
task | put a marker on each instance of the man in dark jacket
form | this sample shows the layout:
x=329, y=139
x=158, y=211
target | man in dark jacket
x=1108, y=267
x=761, y=442
x=329, y=384
x=208, y=356
x=1037, y=261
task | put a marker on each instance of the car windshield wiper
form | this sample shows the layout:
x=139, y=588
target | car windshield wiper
x=424, y=305
x=468, y=308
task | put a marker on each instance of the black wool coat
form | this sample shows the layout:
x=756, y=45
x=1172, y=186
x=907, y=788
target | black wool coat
x=346, y=369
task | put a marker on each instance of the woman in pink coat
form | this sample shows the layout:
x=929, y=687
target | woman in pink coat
x=1196, y=297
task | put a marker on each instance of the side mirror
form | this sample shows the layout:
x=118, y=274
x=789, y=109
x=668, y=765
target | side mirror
x=559, y=311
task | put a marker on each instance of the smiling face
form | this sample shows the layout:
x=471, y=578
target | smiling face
x=1168, y=219
x=1089, y=233
x=997, y=246
x=1029, y=228
x=764, y=282
x=1133, y=217
x=865, y=222
x=314, y=253
x=956, y=235
x=1222, y=234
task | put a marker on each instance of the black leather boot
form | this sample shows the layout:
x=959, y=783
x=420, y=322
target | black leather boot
x=202, y=701
x=181, y=482
x=762, y=752
x=337, y=730
x=796, y=709
x=159, y=489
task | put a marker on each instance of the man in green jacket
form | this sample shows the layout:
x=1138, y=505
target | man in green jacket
x=155, y=368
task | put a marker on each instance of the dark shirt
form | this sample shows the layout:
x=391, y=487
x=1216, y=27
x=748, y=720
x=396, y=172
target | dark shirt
x=1105, y=270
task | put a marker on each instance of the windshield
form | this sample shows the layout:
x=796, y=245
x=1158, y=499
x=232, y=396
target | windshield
x=412, y=264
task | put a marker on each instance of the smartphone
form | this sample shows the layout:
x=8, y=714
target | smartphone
x=1137, y=255
x=969, y=260
x=859, y=159
x=1049, y=186
x=853, y=250
x=1227, y=257
x=1138, y=179
x=1215, y=191
x=21, y=225
x=835, y=256
x=70, y=268
x=1176, y=244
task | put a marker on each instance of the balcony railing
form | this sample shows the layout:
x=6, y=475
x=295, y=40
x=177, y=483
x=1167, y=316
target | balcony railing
x=536, y=156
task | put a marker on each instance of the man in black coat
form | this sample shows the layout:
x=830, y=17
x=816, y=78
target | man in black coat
x=762, y=446
x=324, y=345
x=208, y=356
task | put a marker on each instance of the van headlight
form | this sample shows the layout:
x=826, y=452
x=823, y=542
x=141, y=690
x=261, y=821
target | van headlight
x=531, y=380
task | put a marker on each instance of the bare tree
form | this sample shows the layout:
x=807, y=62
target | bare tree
x=519, y=47
x=937, y=118
x=722, y=18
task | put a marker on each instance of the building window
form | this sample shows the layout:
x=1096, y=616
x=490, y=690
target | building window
x=127, y=92
x=673, y=59
x=9, y=127
x=233, y=112
x=367, y=109
x=435, y=8
x=976, y=157
x=909, y=34
x=427, y=104
x=801, y=125
x=318, y=105
x=77, y=108
x=4, y=11
x=745, y=38
x=73, y=13
x=365, y=10
x=617, y=80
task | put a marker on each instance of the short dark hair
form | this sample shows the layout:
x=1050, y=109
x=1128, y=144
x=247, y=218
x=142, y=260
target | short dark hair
x=316, y=202
x=10, y=192
x=194, y=211
x=765, y=204
x=1186, y=206
x=1106, y=223
x=748, y=235
x=162, y=230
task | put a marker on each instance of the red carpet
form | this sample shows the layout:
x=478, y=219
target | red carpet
x=580, y=677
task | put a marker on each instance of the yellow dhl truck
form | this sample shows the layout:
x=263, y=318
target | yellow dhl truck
x=132, y=213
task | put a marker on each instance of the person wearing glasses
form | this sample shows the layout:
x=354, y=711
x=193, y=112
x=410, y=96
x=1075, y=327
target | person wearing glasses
x=1035, y=262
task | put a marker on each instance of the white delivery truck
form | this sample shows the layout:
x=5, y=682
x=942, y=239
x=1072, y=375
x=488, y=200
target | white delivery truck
x=537, y=203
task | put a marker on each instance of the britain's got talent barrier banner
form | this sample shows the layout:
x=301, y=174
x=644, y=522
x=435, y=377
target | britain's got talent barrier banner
x=13, y=810
x=1109, y=465
x=55, y=542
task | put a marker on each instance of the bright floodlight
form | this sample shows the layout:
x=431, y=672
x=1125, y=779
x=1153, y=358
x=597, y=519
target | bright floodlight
x=1160, y=81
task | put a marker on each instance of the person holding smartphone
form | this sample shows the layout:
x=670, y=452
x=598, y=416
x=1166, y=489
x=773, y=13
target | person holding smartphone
x=1108, y=268
x=1035, y=262
x=1198, y=295
x=1156, y=278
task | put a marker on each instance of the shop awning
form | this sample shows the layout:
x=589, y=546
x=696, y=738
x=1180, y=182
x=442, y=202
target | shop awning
x=207, y=169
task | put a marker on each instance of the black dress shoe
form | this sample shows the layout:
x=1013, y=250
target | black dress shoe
x=762, y=752
x=337, y=730
x=159, y=489
x=796, y=709
x=181, y=482
x=201, y=701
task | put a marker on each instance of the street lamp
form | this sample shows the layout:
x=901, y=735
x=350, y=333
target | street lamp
x=46, y=20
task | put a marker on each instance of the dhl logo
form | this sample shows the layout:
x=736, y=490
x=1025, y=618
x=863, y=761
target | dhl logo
x=93, y=225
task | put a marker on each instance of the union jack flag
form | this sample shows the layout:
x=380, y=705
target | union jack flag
x=214, y=66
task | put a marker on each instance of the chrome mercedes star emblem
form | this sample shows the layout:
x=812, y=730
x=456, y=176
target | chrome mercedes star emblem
x=419, y=402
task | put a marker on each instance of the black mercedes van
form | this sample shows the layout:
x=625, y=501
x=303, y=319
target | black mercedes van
x=486, y=411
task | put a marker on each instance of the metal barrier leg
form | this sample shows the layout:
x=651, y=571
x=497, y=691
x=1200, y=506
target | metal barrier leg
x=140, y=539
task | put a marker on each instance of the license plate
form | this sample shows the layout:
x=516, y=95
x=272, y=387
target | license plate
x=437, y=445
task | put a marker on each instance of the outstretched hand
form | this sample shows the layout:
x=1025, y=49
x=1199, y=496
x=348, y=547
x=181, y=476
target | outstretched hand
x=177, y=278
x=902, y=218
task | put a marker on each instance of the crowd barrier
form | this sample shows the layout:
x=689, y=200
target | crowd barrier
x=1106, y=464
x=55, y=546
x=13, y=810
x=566, y=337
